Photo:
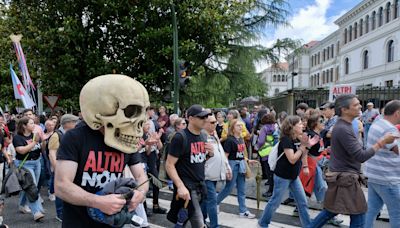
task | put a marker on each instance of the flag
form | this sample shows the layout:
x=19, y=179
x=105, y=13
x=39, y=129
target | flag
x=20, y=92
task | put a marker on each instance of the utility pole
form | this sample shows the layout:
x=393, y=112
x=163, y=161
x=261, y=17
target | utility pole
x=175, y=60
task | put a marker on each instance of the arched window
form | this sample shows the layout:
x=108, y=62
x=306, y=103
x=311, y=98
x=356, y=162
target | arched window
x=346, y=66
x=373, y=20
x=396, y=9
x=367, y=24
x=361, y=26
x=355, y=30
x=279, y=78
x=323, y=55
x=390, y=51
x=350, y=33
x=388, y=10
x=274, y=80
x=380, y=21
x=319, y=57
x=328, y=55
x=365, y=60
x=345, y=36
x=331, y=75
x=332, y=50
x=318, y=79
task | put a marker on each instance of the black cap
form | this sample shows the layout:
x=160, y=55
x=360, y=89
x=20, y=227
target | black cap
x=197, y=111
x=325, y=105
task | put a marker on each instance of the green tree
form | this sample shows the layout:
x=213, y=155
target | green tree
x=67, y=43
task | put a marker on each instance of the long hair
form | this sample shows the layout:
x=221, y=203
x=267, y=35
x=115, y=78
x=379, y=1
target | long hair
x=20, y=125
x=287, y=126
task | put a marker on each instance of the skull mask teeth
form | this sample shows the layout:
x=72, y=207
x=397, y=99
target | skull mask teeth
x=120, y=109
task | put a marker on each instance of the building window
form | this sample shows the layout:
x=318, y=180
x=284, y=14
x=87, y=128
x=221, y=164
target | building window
x=355, y=30
x=380, y=21
x=345, y=36
x=388, y=6
x=276, y=91
x=389, y=83
x=279, y=78
x=331, y=75
x=367, y=24
x=332, y=50
x=319, y=57
x=337, y=47
x=373, y=20
x=361, y=26
x=390, y=51
x=274, y=78
x=337, y=74
x=396, y=9
x=328, y=53
x=350, y=33
x=365, y=60
x=323, y=77
x=318, y=79
x=346, y=66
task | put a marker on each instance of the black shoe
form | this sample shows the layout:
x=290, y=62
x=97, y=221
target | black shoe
x=159, y=210
x=288, y=201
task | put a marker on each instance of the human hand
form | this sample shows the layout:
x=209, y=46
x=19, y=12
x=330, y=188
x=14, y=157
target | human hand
x=390, y=137
x=252, y=162
x=138, y=198
x=183, y=193
x=209, y=148
x=314, y=140
x=229, y=175
x=306, y=171
x=110, y=204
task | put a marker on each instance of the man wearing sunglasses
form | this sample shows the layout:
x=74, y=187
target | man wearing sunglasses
x=185, y=166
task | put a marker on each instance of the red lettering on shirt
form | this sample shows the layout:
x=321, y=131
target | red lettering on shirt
x=91, y=162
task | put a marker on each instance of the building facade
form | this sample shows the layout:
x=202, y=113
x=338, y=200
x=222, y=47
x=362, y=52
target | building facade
x=276, y=78
x=364, y=51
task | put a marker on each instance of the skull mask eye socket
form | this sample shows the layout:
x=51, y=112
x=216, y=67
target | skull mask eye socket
x=132, y=111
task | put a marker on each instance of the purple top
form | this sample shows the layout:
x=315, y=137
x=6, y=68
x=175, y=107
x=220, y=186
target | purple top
x=267, y=129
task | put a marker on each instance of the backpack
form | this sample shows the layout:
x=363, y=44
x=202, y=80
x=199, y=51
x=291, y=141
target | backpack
x=265, y=150
x=273, y=157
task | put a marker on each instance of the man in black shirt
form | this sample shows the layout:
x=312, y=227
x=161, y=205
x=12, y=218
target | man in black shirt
x=185, y=164
x=86, y=161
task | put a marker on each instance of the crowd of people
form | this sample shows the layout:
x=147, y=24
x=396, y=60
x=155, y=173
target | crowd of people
x=320, y=153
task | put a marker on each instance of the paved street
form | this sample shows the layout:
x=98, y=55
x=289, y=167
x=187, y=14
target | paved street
x=228, y=215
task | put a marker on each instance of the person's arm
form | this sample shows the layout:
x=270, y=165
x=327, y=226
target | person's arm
x=140, y=194
x=261, y=137
x=292, y=156
x=73, y=194
x=26, y=149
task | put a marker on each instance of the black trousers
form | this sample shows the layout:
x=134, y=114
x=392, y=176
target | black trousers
x=152, y=160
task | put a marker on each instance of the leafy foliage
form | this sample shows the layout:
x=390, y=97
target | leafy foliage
x=67, y=43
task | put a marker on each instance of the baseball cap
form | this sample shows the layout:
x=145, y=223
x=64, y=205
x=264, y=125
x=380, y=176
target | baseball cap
x=68, y=118
x=325, y=105
x=197, y=111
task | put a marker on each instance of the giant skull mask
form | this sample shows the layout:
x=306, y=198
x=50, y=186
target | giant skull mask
x=118, y=103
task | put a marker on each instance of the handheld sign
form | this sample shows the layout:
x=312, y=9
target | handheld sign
x=337, y=90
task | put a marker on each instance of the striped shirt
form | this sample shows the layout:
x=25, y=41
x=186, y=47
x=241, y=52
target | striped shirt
x=384, y=167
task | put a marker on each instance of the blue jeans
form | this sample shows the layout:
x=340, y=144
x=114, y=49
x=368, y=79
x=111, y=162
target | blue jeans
x=209, y=205
x=239, y=180
x=34, y=167
x=356, y=221
x=320, y=185
x=281, y=186
x=59, y=203
x=379, y=195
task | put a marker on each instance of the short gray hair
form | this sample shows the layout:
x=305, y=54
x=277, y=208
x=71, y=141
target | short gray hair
x=173, y=117
x=343, y=101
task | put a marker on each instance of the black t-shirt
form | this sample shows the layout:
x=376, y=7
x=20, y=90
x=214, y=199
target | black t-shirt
x=192, y=157
x=21, y=140
x=235, y=147
x=219, y=130
x=284, y=168
x=318, y=148
x=98, y=164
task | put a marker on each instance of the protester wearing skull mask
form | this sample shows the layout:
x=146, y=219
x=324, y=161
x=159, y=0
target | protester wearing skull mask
x=185, y=165
x=96, y=152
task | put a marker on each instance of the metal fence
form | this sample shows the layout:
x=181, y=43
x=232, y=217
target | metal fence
x=315, y=97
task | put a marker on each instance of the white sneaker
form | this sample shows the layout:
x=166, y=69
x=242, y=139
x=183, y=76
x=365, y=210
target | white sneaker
x=24, y=209
x=37, y=216
x=52, y=197
x=247, y=214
